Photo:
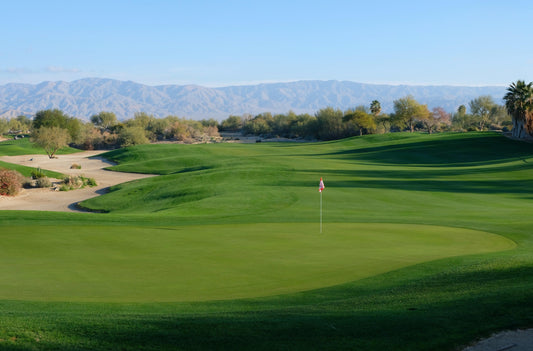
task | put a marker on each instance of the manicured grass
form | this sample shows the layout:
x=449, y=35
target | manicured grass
x=417, y=251
x=25, y=147
x=213, y=262
x=26, y=171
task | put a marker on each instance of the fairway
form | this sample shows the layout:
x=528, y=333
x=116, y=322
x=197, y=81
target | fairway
x=426, y=245
x=214, y=262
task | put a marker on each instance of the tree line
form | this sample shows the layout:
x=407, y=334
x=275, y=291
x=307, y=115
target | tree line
x=409, y=115
x=53, y=129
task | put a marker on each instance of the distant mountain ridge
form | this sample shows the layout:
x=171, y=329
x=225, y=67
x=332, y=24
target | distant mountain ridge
x=84, y=97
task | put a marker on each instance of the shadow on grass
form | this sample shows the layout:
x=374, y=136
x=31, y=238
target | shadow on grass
x=477, y=149
x=480, y=181
x=436, y=312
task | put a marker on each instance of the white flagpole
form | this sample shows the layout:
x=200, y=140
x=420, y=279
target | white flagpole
x=320, y=212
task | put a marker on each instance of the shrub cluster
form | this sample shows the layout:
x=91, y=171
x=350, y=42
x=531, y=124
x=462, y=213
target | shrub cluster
x=43, y=182
x=10, y=182
x=76, y=182
x=106, y=132
x=37, y=173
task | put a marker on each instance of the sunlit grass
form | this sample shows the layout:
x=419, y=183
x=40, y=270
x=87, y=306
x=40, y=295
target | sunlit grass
x=299, y=290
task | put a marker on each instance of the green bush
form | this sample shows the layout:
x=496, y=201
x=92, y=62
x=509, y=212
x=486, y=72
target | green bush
x=76, y=182
x=10, y=182
x=71, y=182
x=75, y=166
x=37, y=173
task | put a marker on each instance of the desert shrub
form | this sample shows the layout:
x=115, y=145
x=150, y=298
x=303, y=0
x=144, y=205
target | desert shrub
x=75, y=166
x=76, y=182
x=212, y=131
x=71, y=182
x=10, y=182
x=37, y=173
x=90, y=182
x=43, y=182
x=64, y=187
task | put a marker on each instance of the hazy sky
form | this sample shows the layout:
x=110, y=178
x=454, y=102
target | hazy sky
x=220, y=43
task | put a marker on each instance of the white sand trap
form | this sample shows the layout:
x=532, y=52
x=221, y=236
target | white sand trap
x=49, y=200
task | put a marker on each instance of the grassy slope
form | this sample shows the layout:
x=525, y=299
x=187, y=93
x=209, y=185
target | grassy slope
x=25, y=147
x=477, y=181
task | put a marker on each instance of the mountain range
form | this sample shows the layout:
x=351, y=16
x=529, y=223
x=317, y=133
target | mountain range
x=85, y=97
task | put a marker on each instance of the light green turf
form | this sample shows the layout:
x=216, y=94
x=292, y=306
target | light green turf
x=192, y=263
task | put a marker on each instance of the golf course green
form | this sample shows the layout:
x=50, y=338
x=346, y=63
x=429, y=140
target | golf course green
x=426, y=245
x=135, y=264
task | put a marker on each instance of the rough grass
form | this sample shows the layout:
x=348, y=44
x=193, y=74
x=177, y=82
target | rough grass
x=475, y=181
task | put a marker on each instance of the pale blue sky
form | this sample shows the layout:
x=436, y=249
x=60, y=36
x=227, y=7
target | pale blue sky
x=220, y=43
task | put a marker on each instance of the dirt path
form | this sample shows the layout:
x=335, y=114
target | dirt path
x=49, y=200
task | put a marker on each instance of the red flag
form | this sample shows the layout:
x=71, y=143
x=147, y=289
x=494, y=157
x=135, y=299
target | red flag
x=321, y=185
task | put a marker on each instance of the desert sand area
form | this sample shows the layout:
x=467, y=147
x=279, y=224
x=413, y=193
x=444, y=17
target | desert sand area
x=50, y=200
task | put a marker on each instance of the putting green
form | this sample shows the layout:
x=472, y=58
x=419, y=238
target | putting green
x=194, y=263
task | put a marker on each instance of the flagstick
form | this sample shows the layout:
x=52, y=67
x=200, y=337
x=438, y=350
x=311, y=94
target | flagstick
x=320, y=212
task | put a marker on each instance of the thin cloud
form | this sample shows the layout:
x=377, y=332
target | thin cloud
x=17, y=70
x=59, y=69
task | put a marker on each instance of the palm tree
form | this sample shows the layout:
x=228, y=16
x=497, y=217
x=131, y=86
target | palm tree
x=519, y=104
x=375, y=107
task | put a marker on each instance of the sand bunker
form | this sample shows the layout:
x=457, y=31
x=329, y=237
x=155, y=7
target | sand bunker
x=518, y=340
x=49, y=200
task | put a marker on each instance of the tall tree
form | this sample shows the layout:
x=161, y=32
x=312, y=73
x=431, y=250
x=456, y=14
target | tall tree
x=50, y=118
x=407, y=111
x=519, y=104
x=329, y=123
x=57, y=118
x=481, y=108
x=4, y=126
x=431, y=123
x=375, y=108
x=104, y=120
x=361, y=121
x=140, y=119
x=441, y=115
x=461, y=111
x=232, y=124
